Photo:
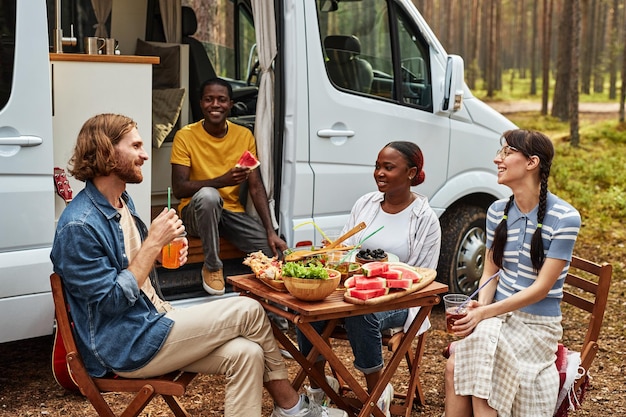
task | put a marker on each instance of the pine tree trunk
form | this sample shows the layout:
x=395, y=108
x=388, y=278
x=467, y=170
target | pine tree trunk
x=533, y=49
x=560, y=107
x=613, y=52
x=575, y=59
x=587, y=32
x=599, y=58
x=547, y=42
x=521, y=52
x=623, y=90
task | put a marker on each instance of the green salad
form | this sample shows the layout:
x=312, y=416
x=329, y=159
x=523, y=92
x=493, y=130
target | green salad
x=308, y=271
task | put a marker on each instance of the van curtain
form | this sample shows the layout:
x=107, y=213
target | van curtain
x=102, y=10
x=265, y=29
x=171, y=17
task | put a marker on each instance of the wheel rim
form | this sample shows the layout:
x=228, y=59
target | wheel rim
x=470, y=260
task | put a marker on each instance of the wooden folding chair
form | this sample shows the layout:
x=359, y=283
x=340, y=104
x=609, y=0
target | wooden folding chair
x=415, y=392
x=587, y=288
x=168, y=386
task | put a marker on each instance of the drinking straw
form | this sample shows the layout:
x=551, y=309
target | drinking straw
x=169, y=206
x=459, y=308
x=358, y=245
x=314, y=225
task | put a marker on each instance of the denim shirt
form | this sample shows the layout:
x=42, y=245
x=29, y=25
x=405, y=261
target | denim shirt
x=116, y=327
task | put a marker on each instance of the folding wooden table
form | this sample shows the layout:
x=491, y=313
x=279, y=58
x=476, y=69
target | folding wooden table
x=334, y=308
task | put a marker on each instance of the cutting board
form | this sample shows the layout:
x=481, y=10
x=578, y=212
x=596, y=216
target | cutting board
x=428, y=276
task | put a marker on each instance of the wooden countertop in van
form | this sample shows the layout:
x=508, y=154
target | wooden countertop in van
x=122, y=59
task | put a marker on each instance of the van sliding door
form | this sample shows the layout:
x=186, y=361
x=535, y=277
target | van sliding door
x=371, y=76
x=26, y=186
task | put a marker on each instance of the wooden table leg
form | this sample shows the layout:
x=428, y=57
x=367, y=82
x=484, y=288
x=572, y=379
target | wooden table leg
x=395, y=360
x=369, y=404
x=324, y=348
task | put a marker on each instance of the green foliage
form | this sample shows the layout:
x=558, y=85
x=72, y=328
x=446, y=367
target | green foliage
x=591, y=177
x=547, y=124
x=515, y=88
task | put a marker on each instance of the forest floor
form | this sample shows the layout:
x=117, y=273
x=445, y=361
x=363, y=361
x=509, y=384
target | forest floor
x=27, y=386
x=595, y=110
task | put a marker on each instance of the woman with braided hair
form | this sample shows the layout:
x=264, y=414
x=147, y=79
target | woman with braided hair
x=505, y=364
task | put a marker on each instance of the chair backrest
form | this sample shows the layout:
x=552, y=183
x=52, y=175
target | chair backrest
x=345, y=68
x=587, y=288
x=168, y=386
x=200, y=67
x=63, y=319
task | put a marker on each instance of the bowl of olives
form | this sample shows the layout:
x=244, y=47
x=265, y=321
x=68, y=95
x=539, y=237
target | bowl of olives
x=364, y=256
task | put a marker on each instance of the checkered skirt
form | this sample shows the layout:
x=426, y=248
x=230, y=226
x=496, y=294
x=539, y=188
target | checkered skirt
x=509, y=361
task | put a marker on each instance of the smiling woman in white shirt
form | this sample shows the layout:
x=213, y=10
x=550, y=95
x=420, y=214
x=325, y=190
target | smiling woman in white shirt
x=411, y=231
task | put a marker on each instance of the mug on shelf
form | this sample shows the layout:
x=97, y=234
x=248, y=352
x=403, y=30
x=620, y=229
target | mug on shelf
x=94, y=45
x=110, y=46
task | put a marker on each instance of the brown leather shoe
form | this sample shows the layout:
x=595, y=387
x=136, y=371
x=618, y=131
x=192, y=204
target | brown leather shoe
x=213, y=281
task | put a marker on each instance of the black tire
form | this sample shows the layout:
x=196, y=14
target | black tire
x=462, y=256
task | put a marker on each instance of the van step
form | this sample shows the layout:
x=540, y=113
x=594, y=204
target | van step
x=185, y=282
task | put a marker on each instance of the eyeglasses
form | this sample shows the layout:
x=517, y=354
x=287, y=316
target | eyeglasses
x=505, y=151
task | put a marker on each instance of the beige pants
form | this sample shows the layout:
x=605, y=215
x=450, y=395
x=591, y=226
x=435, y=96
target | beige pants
x=232, y=337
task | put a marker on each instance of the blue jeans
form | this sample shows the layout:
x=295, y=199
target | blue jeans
x=364, y=334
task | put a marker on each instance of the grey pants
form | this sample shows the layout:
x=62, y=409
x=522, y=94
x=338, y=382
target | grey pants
x=205, y=217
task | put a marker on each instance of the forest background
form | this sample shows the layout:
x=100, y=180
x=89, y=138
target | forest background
x=513, y=53
x=565, y=51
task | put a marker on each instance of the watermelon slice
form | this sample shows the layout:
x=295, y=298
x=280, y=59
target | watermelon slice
x=392, y=274
x=366, y=294
x=370, y=283
x=349, y=282
x=247, y=160
x=374, y=269
x=403, y=284
x=407, y=272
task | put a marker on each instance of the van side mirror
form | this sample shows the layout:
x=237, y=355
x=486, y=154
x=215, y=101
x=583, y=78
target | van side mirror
x=453, y=87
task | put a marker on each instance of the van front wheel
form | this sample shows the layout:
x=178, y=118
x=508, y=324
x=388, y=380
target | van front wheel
x=462, y=248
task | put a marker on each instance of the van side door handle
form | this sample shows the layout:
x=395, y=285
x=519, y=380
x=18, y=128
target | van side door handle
x=21, y=141
x=332, y=133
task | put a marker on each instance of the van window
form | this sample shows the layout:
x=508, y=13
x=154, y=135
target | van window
x=7, y=49
x=216, y=32
x=247, y=57
x=365, y=54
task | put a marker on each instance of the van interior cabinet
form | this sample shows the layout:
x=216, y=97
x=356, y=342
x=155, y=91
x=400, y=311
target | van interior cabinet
x=86, y=85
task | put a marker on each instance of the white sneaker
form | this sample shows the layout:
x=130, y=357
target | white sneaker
x=310, y=409
x=318, y=395
x=384, y=402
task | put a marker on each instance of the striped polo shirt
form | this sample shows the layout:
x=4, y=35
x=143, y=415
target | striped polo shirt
x=560, y=228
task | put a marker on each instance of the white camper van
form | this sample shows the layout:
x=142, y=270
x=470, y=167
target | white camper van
x=324, y=84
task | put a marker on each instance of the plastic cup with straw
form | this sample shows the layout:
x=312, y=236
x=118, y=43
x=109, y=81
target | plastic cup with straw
x=466, y=302
x=169, y=206
x=455, y=304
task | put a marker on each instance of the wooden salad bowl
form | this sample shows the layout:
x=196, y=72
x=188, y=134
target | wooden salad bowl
x=313, y=289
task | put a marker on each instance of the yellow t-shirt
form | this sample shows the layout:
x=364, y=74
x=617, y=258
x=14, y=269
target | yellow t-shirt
x=210, y=157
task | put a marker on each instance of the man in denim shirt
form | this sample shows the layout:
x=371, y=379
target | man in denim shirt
x=105, y=256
